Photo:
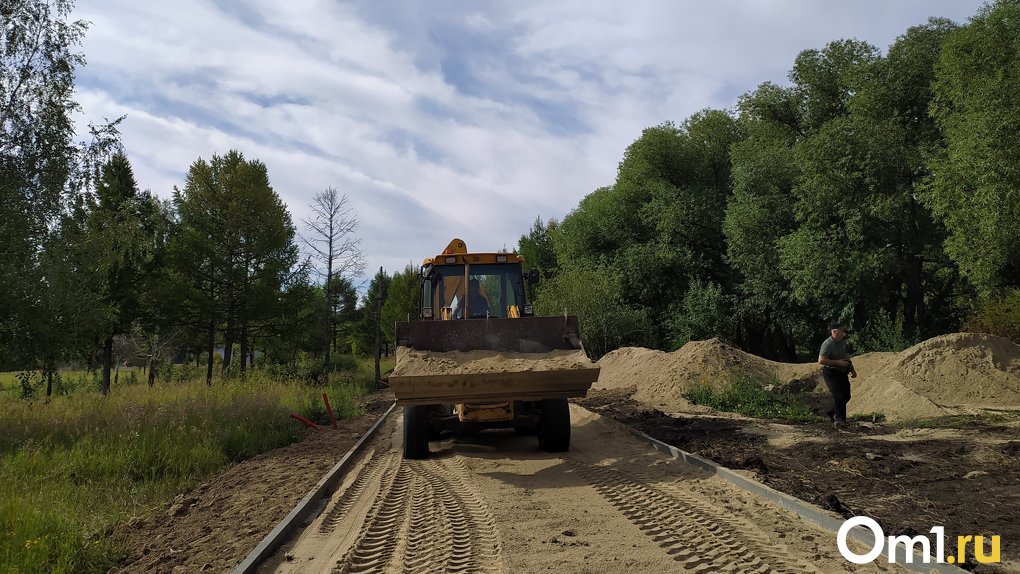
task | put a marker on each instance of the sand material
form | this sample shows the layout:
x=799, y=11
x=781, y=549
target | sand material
x=411, y=362
x=950, y=374
x=963, y=369
x=495, y=504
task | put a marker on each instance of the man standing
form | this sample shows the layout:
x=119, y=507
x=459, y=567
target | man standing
x=836, y=367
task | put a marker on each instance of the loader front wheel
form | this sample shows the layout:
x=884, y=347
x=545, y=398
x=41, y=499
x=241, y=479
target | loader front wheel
x=554, y=428
x=416, y=432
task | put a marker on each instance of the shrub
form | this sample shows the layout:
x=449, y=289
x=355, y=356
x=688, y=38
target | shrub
x=882, y=333
x=746, y=395
x=29, y=385
x=997, y=315
x=703, y=314
x=344, y=363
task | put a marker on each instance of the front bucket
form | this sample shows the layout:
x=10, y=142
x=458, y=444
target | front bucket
x=475, y=360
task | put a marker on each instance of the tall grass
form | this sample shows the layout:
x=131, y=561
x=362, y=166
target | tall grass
x=72, y=467
x=746, y=395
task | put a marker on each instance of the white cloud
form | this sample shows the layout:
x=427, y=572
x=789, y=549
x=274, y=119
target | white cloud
x=439, y=121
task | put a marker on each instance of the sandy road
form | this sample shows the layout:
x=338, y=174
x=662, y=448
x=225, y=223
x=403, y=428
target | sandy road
x=496, y=503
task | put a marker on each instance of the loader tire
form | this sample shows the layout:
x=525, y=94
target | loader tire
x=416, y=432
x=554, y=429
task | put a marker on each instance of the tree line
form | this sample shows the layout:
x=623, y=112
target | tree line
x=92, y=267
x=878, y=190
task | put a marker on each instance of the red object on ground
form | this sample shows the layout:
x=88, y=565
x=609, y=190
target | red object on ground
x=329, y=409
x=304, y=421
x=382, y=384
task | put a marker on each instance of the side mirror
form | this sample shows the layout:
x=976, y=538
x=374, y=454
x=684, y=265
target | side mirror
x=533, y=276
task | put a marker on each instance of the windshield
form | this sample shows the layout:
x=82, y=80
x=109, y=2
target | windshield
x=486, y=290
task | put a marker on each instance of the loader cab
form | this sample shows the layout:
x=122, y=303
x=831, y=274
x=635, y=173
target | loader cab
x=462, y=285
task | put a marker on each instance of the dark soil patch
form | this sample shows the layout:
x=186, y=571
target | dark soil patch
x=968, y=482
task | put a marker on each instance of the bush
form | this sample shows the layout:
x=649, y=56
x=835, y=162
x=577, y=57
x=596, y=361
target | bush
x=746, y=395
x=311, y=370
x=29, y=384
x=344, y=363
x=702, y=315
x=131, y=377
x=595, y=295
x=883, y=334
x=281, y=371
x=997, y=315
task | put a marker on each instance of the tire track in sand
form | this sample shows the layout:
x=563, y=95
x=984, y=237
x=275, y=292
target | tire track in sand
x=341, y=507
x=464, y=539
x=447, y=527
x=378, y=536
x=703, y=541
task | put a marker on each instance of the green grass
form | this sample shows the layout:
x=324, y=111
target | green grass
x=8, y=382
x=74, y=466
x=746, y=395
x=64, y=381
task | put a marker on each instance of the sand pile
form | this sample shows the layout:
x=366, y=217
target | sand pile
x=944, y=375
x=950, y=374
x=662, y=378
x=963, y=368
x=410, y=362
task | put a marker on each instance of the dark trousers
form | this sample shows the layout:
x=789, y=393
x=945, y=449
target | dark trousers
x=839, y=387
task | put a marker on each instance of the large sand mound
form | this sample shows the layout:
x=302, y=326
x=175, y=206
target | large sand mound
x=963, y=368
x=948, y=374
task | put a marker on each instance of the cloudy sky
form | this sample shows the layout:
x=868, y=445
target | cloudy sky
x=443, y=118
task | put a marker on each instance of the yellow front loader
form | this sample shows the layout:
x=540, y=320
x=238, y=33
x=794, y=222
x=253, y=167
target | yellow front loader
x=477, y=357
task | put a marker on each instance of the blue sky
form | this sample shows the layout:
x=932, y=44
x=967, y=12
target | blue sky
x=440, y=119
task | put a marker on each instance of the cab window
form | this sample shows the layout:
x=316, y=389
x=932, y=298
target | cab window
x=499, y=288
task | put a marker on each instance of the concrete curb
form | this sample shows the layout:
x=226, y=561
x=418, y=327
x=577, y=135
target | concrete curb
x=308, y=505
x=827, y=520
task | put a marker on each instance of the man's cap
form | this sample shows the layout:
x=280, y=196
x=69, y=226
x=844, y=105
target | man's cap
x=840, y=326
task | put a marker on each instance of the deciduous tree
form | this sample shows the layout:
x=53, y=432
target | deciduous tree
x=336, y=252
x=42, y=170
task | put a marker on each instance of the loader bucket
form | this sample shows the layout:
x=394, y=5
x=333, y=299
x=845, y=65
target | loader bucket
x=480, y=360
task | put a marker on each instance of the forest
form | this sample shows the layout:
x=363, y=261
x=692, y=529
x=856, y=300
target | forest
x=879, y=190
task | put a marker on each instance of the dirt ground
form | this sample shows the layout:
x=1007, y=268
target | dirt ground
x=495, y=503
x=909, y=479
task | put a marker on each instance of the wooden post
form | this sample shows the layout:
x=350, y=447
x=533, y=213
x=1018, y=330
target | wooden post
x=378, y=322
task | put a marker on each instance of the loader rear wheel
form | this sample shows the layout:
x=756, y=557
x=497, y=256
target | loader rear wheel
x=554, y=429
x=416, y=432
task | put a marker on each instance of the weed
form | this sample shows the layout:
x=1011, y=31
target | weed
x=747, y=395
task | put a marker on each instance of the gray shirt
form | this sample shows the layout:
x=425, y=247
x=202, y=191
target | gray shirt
x=836, y=350
x=833, y=349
